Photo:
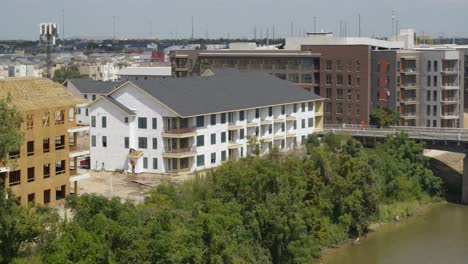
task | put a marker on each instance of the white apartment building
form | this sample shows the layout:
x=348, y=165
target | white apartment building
x=187, y=124
x=90, y=90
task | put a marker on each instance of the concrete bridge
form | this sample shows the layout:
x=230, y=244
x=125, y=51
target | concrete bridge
x=447, y=139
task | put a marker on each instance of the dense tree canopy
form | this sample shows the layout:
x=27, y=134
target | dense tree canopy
x=277, y=209
x=11, y=137
x=383, y=117
x=62, y=74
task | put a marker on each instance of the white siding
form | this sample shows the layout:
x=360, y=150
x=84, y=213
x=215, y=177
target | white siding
x=114, y=156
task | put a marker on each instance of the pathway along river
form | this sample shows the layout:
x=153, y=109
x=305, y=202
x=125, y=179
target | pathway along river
x=437, y=235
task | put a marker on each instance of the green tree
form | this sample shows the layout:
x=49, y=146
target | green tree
x=311, y=142
x=62, y=74
x=383, y=117
x=11, y=138
x=20, y=227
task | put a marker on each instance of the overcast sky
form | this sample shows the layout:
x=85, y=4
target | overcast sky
x=19, y=19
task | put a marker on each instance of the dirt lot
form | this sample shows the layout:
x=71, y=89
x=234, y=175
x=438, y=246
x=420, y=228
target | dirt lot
x=126, y=186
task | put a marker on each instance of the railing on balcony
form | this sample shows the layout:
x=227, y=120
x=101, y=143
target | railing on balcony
x=182, y=130
x=409, y=70
x=409, y=114
x=410, y=99
x=450, y=99
x=449, y=113
x=180, y=150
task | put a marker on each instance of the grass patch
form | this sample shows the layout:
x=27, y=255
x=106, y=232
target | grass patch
x=388, y=211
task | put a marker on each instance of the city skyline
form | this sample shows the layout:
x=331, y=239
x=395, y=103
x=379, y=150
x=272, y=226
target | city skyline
x=216, y=18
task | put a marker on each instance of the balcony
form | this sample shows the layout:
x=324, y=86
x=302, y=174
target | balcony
x=450, y=100
x=180, y=132
x=409, y=71
x=278, y=119
x=450, y=87
x=449, y=71
x=265, y=122
x=449, y=115
x=279, y=136
x=233, y=126
x=234, y=145
x=79, y=176
x=252, y=124
x=78, y=129
x=409, y=115
x=77, y=152
x=180, y=152
x=409, y=86
x=410, y=100
x=292, y=118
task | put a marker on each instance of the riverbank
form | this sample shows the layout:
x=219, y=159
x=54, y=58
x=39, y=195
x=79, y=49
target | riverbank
x=435, y=234
x=404, y=215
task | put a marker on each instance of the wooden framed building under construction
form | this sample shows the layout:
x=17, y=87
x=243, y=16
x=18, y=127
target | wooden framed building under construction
x=46, y=166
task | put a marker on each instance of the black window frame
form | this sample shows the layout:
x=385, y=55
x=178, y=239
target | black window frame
x=223, y=118
x=142, y=142
x=200, y=121
x=213, y=119
x=200, y=140
x=142, y=123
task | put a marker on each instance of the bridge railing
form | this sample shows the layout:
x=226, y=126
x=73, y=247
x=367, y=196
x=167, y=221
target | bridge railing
x=439, y=134
x=398, y=128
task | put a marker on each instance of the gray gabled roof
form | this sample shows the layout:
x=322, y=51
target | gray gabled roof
x=119, y=105
x=90, y=86
x=226, y=90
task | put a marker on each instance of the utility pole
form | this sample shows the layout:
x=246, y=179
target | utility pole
x=359, y=17
x=345, y=30
x=192, y=29
x=292, y=29
x=341, y=28
x=113, y=19
x=151, y=29
x=397, y=29
x=315, y=24
x=63, y=25
x=273, y=37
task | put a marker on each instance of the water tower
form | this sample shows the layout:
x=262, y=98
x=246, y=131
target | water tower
x=48, y=34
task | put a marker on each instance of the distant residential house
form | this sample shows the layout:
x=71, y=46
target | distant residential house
x=172, y=125
x=22, y=70
x=90, y=90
